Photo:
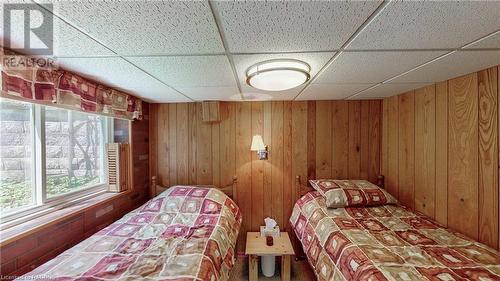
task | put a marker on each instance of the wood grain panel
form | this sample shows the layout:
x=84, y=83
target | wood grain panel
x=323, y=139
x=340, y=139
x=203, y=149
x=257, y=175
x=364, y=157
x=228, y=143
x=244, y=167
x=182, y=135
x=374, y=128
x=463, y=154
x=392, y=176
x=354, y=165
x=425, y=150
x=172, y=143
x=299, y=143
x=288, y=175
x=277, y=162
x=384, y=156
x=153, y=143
x=311, y=140
x=140, y=158
x=441, y=206
x=464, y=158
x=268, y=165
x=406, y=156
x=193, y=140
x=488, y=156
x=163, y=151
x=215, y=157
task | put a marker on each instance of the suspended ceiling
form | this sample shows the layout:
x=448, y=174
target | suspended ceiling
x=182, y=51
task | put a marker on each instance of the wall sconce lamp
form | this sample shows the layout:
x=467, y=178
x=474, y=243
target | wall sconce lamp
x=259, y=146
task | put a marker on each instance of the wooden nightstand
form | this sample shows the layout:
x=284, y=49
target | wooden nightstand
x=256, y=246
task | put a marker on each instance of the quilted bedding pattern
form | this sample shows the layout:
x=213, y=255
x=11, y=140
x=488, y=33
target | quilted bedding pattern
x=185, y=233
x=386, y=243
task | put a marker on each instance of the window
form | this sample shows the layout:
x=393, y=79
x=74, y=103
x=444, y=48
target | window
x=73, y=151
x=48, y=156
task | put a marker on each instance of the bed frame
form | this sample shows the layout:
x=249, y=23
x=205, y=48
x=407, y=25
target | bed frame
x=305, y=188
x=229, y=190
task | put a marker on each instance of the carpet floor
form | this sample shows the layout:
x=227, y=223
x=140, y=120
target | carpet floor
x=301, y=271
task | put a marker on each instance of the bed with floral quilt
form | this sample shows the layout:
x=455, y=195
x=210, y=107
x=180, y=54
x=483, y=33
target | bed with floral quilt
x=376, y=239
x=184, y=233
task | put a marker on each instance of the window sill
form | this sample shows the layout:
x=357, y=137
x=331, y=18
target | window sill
x=11, y=234
x=55, y=203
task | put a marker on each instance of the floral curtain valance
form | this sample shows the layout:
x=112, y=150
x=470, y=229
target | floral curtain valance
x=68, y=90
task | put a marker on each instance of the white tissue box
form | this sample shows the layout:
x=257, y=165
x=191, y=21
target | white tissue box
x=275, y=232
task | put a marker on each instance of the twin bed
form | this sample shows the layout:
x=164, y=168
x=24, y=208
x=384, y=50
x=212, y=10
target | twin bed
x=185, y=233
x=349, y=230
x=375, y=239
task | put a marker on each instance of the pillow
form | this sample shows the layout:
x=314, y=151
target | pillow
x=351, y=193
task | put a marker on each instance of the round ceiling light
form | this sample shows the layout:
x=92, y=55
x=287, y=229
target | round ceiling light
x=278, y=74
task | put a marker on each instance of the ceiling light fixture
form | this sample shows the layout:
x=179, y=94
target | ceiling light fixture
x=278, y=74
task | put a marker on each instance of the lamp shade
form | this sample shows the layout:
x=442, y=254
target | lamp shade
x=257, y=143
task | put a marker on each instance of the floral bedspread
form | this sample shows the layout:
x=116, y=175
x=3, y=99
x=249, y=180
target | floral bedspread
x=185, y=233
x=386, y=243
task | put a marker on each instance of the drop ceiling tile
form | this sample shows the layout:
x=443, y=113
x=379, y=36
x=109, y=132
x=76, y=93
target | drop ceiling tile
x=387, y=90
x=243, y=62
x=118, y=73
x=429, y=24
x=331, y=91
x=262, y=26
x=492, y=41
x=372, y=67
x=189, y=71
x=450, y=66
x=67, y=40
x=211, y=93
x=146, y=27
x=71, y=43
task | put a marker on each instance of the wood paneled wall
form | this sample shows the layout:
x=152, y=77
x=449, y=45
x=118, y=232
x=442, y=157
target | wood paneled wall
x=440, y=152
x=315, y=139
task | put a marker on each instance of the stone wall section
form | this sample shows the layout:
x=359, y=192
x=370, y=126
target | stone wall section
x=16, y=155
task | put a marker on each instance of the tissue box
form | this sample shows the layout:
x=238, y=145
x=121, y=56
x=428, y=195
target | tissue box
x=275, y=232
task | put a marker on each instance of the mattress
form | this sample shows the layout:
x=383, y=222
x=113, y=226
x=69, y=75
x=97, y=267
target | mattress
x=185, y=233
x=386, y=243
